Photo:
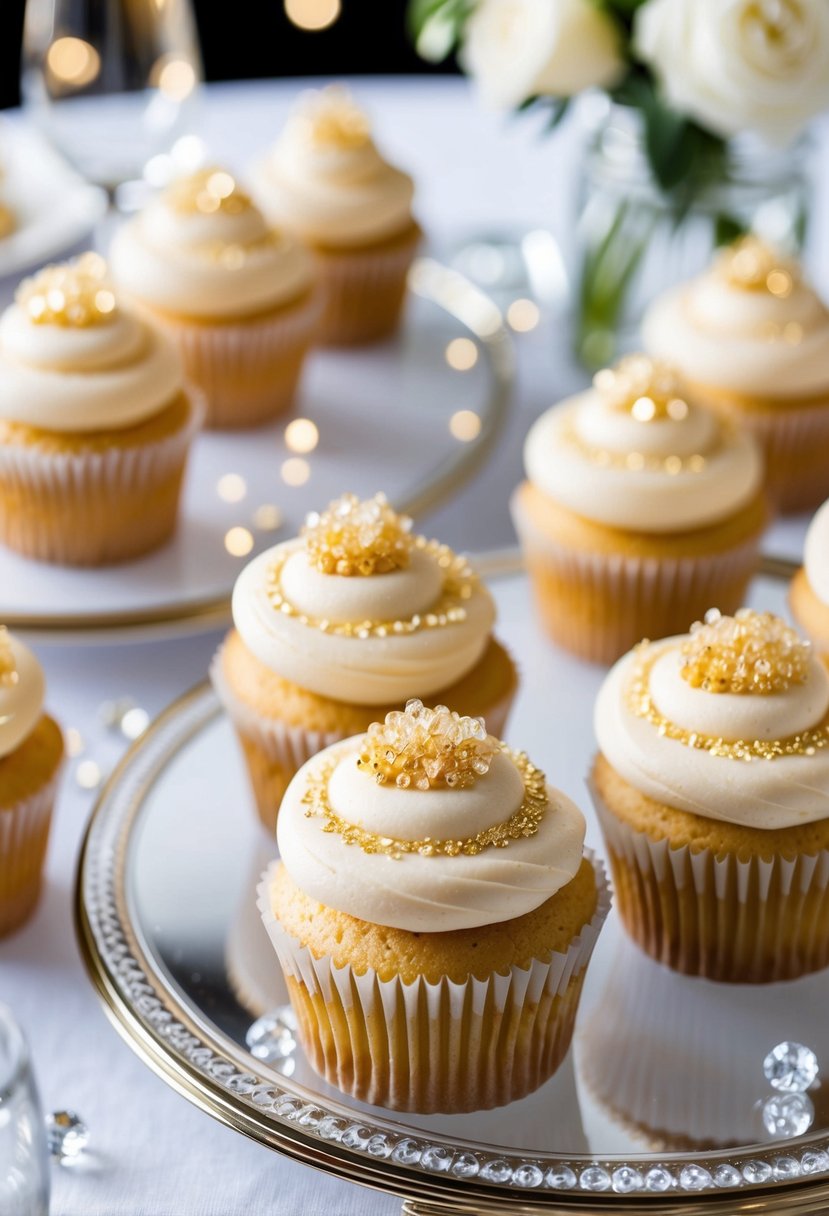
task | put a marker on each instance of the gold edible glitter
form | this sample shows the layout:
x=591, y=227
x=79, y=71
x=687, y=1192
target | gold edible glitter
x=459, y=583
x=522, y=823
x=353, y=537
x=206, y=192
x=424, y=748
x=640, y=703
x=72, y=293
x=751, y=653
x=753, y=265
x=9, y=674
x=646, y=389
x=334, y=120
x=635, y=462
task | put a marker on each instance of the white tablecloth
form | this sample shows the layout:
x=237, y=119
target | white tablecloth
x=152, y=1153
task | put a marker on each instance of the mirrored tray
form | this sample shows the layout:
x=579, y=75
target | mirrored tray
x=657, y=1108
x=425, y=406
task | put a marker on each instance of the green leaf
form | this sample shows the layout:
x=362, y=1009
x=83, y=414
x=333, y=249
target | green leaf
x=419, y=12
x=727, y=228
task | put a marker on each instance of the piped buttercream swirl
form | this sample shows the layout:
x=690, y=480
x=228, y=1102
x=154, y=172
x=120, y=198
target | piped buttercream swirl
x=108, y=374
x=757, y=760
x=191, y=252
x=766, y=335
x=325, y=180
x=22, y=689
x=371, y=640
x=816, y=554
x=634, y=465
x=418, y=891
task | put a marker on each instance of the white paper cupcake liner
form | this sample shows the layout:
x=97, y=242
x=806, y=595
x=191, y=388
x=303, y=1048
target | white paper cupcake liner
x=90, y=508
x=285, y=748
x=725, y=918
x=247, y=370
x=24, y=835
x=364, y=290
x=606, y=603
x=444, y=1046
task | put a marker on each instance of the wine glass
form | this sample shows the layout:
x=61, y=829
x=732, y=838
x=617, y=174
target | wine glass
x=24, y=1158
x=111, y=83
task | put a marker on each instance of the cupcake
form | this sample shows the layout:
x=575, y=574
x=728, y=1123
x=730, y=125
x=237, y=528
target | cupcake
x=639, y=511
x=809, y=592
x=95, y=424
x=237, y=298
x=31, y=751
x=433, y=913
x=336, y=627
x=751, y=339
x=325, y=182
x=712, y=790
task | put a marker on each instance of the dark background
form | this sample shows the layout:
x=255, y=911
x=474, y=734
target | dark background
x=251, y=38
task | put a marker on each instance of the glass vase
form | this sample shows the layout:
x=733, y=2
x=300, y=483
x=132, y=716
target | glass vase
x=635, y=241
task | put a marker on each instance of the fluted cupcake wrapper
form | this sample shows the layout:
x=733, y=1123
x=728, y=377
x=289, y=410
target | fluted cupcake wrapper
x=24, y=835
x=599, y=605
x=364, y=290
x=430, y=1047
x=248, y=370
x=90, y=508
x=726, y=918
x=794, y=439
x=274, y=750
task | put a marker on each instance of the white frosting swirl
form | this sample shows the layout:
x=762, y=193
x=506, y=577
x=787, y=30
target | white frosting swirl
x=747, y=341
x=207, y=265
x=755, y=793
x=558, y=457
x=427, y=894
x=329, y=192
x=369, y=670
x=816, y=554
x=84, y=378
x=21, y=703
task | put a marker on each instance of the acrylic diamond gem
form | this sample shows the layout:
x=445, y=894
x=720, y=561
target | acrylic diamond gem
x=694, y=1178
x=528, y=1176
x=66, y=1134
x=727, y=1175
x=626, y=1180
x=560, y=1178
x=790, y=1067
x=594, y=1178
x=272, y=1037
x=786, y=1168
x=658, y=1179
x=757, y=1172
x=788, y=1115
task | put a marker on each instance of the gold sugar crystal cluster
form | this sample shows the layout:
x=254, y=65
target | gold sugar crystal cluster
x=334, y=120
x=421, y=748
x=9, y=674
x=753, y=265
x=358, y=538
x=72, y=293
x=648, y=390
x=750, y=653
x=206, y=192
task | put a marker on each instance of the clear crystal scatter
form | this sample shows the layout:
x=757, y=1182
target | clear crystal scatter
x=272, y=1037
x=658, y=1179
x=727, y=1175
x=788, y=1115
x=626, y=1180
x=694, y=1178
x=66, y=1135
x=594, y=1178
x=791, y=1067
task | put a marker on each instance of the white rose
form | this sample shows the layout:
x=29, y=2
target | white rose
x=515, y=49
x=739, y=65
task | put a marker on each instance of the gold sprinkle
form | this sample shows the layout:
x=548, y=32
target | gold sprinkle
x=753, y=265
x=522, y=823
x=358, y=538
x=459, y=582
x=332, y=119
x=206, y=192
x=421, y=748
x=639, y=702
x=750, y=653
x=645, y=388
x=637, y=461
x=9, y=675
x=69, y=294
